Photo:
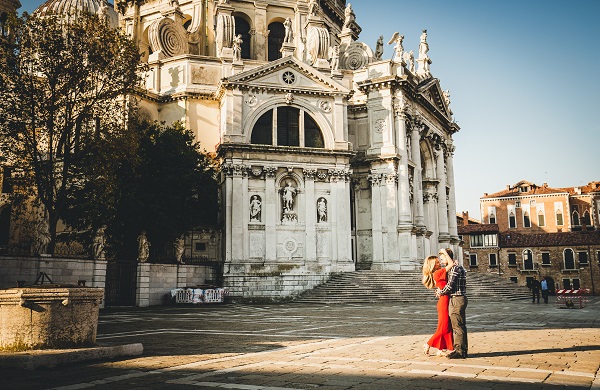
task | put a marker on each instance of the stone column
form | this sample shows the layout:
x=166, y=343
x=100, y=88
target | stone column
x=271, y=214
x=228, y=201
x=376, y=229
x=310, y=214
x=237, y=210
x=418, y=179
x=390, y=220
x=442, y=205
x=452, y=226
x=262, y=33
x=340, y=219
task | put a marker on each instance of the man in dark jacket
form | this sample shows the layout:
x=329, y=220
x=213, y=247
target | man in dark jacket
x=535, y=290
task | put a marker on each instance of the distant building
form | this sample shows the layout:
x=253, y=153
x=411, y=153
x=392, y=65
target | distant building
x=536, y=231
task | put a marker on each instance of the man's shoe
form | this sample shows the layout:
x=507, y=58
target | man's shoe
x=455, y=355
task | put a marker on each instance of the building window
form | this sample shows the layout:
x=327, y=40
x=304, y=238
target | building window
x=242, y=27
x=200, y=247
x=582, y=256
x=545, y=258
x=541, y=219
x=512, y=259
x=576, y=218
x=492, y=218
x=294, y=127
x=493, y=260
x=512, y=220
x=483, y=240
x=585, y=218
x=513, y=279
x=473, y=260
x=6, y=182
x=276, y=37
x=532, y=203
x=559, y=217
x=567, y=284
x=3, y=24
x=568, y=258
x=576, y=285
x=527, y=259
x=518, y=204
x=526, y=220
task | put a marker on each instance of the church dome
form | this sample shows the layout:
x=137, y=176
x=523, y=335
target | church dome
x=71, y=8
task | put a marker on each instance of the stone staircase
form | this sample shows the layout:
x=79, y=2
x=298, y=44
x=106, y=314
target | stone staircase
x=405, y=286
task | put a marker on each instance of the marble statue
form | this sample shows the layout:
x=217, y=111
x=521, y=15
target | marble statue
x=349, y=16
x=255, y=209
x=423, y=45
x=287, y=196
x=335, y=57
x=321, y=210
x=379, y=48
x=143, y=247
x=42, y=237
x=289, y=34
x=398, y=47
x=313, y=7
x=98, y=244
x=237, y=47
x=179, y=247
x=447, y=97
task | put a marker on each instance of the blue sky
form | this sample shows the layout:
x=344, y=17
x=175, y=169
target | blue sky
x=524, y=79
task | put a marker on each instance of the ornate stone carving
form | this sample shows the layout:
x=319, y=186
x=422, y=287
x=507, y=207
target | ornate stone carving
x=317, y=43
x=397, y=39
x=380, y=125
x=339, y=174
x=322, y=175
x=167, y=38
x=234, y=170
x=289, y=98
x=355, y=57
x=309, y=173
x=288, y=197
x=375, y=179
x=237, y=47
x=325, y=106
x=225, y=31
x=251, y=100
x=270, y=171
x=256, y=171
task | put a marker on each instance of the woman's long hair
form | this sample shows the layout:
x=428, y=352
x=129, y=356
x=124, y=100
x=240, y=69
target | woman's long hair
x=428, y=268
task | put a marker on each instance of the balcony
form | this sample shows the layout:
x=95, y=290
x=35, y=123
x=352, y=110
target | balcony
x=528, y=268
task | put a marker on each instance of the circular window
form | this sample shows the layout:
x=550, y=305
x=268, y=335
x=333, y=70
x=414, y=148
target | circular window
x=289, y=78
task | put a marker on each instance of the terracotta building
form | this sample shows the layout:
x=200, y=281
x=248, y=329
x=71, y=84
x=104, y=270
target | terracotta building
x=531, y=231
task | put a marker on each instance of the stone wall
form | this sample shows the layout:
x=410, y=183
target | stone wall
x=59, y=270
x=155, y=281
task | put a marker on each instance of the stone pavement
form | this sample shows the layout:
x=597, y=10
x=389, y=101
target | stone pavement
x=296, y=346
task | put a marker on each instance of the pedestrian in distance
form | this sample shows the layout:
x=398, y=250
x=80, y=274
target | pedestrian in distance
x=535, y=290
x=545, y=292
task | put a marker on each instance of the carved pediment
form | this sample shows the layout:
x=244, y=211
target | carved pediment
x=432, y=92
x=286, y=74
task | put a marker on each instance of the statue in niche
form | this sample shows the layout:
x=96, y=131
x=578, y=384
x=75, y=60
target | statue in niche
x=423, y=45
x=313, y=7
x=143, y=247
x=255, y=208
x=335, y=57
x=179, y=247
x=349, y=16
x=398, y=47
x=321, y=210
x=237, y=47
x=288, y=195
x=379, y=48
x=98, y=245
x=289, y=34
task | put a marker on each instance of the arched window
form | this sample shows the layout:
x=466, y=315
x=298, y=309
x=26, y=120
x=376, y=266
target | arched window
x=527, y=259
x=576, y=218
x=585, y=218
x=512, y=220
x=3, y=24
x=526, y=219
x=569, y=259
x=292, y=127
x=492, y=218
x=242, y=27
x=559, y=217
x=276, y=36
x=541, y=218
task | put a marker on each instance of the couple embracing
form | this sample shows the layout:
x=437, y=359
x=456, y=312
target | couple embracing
x=450, y=280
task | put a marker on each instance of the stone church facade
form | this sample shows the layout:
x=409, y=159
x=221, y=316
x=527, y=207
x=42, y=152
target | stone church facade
x=333, y=158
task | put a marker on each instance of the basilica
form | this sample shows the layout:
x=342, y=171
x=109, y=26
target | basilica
x=336, y=155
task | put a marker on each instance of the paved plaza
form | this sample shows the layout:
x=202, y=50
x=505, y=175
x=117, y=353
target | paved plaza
x=295, y=346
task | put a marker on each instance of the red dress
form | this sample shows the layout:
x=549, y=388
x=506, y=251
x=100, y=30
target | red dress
x=442, y=338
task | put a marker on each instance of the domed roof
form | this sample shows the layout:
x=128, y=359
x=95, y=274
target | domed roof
x=72, y=8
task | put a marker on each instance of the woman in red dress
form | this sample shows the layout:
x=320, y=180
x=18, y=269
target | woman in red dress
x=435, y=276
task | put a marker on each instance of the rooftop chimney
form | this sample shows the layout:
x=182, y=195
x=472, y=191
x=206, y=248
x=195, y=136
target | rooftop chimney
x=465, y=216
